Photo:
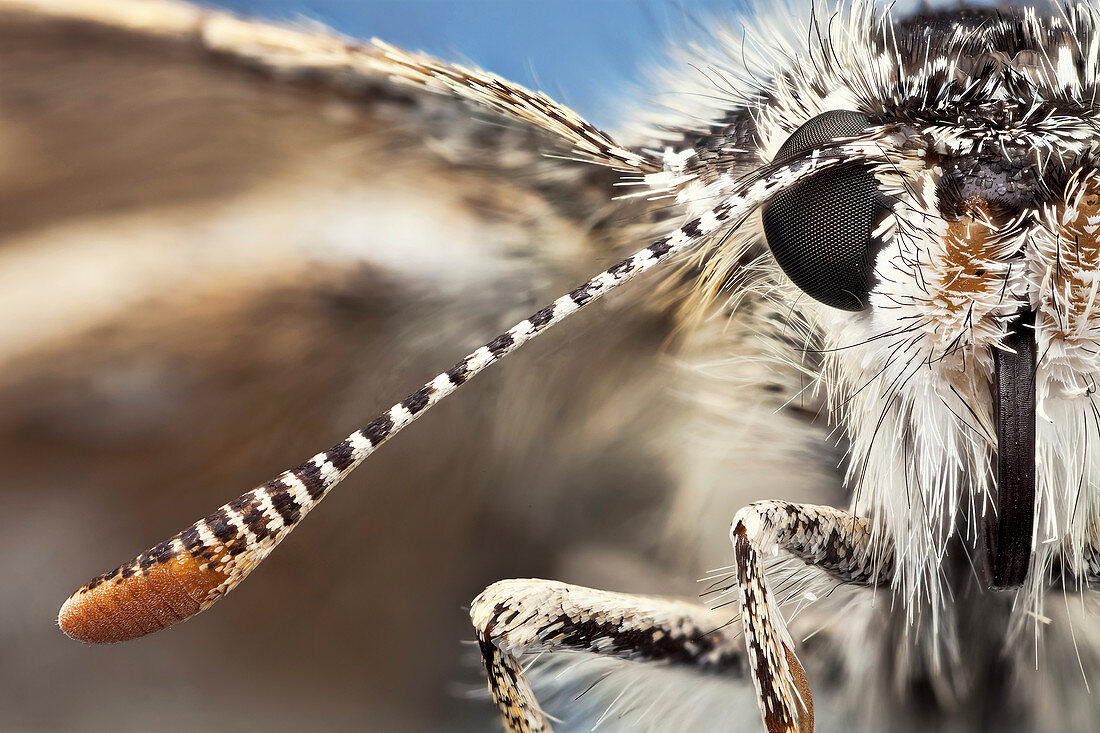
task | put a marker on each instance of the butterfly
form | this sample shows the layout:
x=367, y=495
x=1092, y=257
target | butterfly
x=877, y=234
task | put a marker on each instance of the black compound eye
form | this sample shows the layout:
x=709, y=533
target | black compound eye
x=820, y=229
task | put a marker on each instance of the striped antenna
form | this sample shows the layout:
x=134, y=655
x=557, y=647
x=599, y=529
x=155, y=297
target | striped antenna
x=187, y=573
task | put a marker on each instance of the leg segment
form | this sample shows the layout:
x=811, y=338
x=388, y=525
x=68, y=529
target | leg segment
x=830, y=539
x=517, y=617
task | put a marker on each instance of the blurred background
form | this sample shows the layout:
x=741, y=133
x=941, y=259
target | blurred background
x=210, y=269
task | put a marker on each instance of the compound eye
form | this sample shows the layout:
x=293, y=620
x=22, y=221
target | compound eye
x=820, y=229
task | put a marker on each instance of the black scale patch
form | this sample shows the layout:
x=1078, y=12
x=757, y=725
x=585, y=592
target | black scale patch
x=218, y=523
x=692, y=228
x=538, y=320
x=642, y=643
x=310, y=475
x=190, y=539
x=501, y=343
x=418, y=400
x=1002, y=175
x=341, y=456
x=284, y=504
x=660, y=248
x=378, y=430
x=581, y=295
x=458, y=374
x=256, y=521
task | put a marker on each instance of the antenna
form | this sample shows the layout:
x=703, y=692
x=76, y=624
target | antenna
x=187, y=573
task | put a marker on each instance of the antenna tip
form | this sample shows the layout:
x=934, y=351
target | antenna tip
x=150, y=593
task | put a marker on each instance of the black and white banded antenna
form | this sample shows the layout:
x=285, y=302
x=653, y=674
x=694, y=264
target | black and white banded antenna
x=188, y=572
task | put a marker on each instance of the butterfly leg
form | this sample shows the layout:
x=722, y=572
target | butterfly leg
x=827, y=538
x=514, y=618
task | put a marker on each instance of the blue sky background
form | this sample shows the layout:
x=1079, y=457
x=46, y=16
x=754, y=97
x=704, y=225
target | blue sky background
x=581, y=52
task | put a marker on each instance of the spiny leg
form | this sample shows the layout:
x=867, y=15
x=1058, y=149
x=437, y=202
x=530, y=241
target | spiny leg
x=827, y=538
x=517, y=617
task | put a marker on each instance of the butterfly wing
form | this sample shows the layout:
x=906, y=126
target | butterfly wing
x=218, y=254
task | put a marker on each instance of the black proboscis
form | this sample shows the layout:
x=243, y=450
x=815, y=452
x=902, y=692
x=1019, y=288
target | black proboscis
x=1008, y=533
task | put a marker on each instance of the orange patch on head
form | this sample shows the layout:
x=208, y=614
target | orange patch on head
x=122, y=608
x=1083, y=244
x=1077, y=260
x=969, y=245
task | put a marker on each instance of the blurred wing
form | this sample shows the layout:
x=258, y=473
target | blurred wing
x=222, y=244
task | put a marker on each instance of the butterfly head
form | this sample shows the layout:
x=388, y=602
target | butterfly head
x=949, y=282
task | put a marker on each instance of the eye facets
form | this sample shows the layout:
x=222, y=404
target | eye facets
x=820, y=230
